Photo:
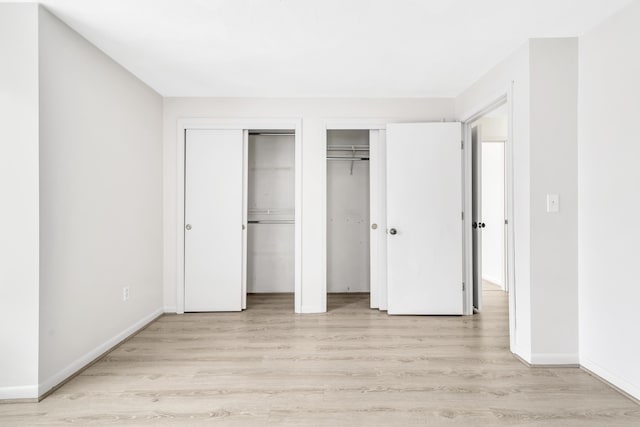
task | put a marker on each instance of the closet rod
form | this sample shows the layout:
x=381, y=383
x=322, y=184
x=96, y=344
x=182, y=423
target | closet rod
x=272, y=221
x=273, y=133
x=351, y=159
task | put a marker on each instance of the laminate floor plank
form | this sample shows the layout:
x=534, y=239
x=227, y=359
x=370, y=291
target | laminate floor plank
x=351, y=366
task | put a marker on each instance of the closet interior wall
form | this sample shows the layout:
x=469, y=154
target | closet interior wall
x=348, y=208
x=270, y=212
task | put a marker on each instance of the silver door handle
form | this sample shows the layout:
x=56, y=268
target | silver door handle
x=188, y=226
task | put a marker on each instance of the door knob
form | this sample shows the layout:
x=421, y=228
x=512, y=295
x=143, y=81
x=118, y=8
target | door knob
x=374, y=226
x=393, y=231
x=475, y=225
x=482, y=225
x=188, y=226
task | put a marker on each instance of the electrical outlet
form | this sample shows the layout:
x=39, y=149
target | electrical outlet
x=125, y=293
x=553, y=203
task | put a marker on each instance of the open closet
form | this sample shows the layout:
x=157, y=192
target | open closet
x=240, y=234
x=270, y=212
x=355, y=216
x=348, y=206
x=394, y=216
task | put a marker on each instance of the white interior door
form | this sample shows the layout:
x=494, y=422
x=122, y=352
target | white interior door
x=213, y=220
x=476, y=212
x=424, y=209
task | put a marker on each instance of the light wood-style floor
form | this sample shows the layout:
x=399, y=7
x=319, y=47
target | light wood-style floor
x=352, y=366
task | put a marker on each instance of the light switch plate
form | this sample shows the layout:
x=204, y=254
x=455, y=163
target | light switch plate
x=553, y=203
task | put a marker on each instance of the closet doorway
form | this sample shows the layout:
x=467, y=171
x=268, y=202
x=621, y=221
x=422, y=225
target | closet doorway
x=240, y=215
x=348, y=205
x=355, y=223
x=270, y=252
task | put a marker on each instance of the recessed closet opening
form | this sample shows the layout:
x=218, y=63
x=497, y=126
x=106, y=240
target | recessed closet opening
x=348, y=216
x=241, y=241
x=270, y=216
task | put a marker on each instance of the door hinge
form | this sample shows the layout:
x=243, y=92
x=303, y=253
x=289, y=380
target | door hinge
x=463, y=286
x=462, y=145
x=506, y=222
x=462, y=216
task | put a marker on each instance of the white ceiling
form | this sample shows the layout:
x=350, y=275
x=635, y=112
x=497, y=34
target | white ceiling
x=307, y=48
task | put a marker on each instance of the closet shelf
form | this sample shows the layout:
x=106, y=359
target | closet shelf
x=270, y=211
x=272, y=133
x=353, y=149
x=351, y=159
x=350, y=148
x=272, y=221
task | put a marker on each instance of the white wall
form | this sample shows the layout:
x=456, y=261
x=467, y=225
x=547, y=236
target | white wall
x=313, y=112
x=494, y=132
x=493, y=213
x=512, y=75
x=19, y=189
x=543, y=75
x=554, y=236
x=348, y=207
x=609, y=152
x=100, y=201
x=494, y=126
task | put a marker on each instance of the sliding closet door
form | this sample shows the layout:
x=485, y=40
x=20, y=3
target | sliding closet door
x=424, y=205
x=378, y=215
x=213, y=220
x=245, y=210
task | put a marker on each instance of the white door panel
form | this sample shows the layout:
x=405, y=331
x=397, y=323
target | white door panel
x=378, y=237
x=374, y=219
x=476, y=215
x=245, y=210
x=214, y=213
x=424, y=205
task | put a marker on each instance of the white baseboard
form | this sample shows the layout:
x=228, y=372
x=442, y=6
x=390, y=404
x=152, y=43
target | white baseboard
x=19, y=392
x=92, y=355
x=170, y=309
x=571, y=359
x=625, y=386
x=521, y=354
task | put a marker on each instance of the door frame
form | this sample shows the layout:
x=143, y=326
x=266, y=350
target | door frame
x=338, y=124
x=502, y=98
x=476, y=233
x=294, y=124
